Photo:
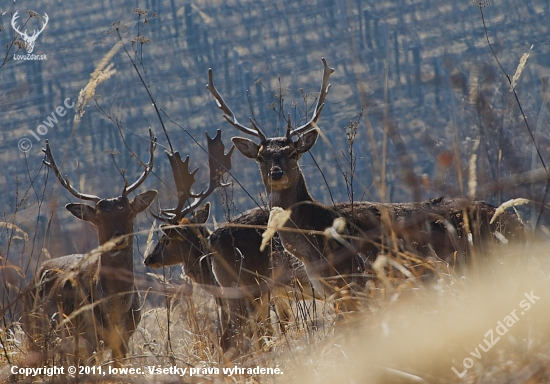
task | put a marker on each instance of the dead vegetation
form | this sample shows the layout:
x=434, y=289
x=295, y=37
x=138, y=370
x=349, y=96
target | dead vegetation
x=416, y=318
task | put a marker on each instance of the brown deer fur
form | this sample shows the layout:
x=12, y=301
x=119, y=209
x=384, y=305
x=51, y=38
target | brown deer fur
x=103, y=283
x=94, y=295
x=438, y=227
x=246, y=274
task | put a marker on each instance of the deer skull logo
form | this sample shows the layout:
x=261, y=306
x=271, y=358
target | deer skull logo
x=29, y=40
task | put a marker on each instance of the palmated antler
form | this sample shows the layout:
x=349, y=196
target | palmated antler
x=183, y=180
x=219, y=163
x=148, y=167
x=50, y=162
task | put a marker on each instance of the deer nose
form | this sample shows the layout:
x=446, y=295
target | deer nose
x=276, y=173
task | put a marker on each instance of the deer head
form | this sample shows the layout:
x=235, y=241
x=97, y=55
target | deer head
x=278, y=157
x=182, y=239
x=29, y=40
x=176, y=245
x=113, y=217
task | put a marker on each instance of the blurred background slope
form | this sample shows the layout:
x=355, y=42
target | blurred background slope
x=432, y=94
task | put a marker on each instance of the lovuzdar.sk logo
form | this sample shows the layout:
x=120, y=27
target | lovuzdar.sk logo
x=29, y=40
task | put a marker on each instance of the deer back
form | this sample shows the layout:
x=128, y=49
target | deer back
x=238, y=261
x=439, y=227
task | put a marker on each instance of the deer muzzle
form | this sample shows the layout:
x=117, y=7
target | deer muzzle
x=276, y=173
x=155, y=258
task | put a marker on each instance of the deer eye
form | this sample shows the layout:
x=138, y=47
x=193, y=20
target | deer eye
x=260, y=159
x=294, y=155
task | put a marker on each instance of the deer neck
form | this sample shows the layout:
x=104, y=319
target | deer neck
x=294, y=194
x=116, y=269
x=197, y=266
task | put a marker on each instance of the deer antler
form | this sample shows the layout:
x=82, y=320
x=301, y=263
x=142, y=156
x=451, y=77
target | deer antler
x=219, y=163
x=327, y=71
x=148, y=167
x=50, y=162
x=228, y=113
x=255, y=131
x=184, y=180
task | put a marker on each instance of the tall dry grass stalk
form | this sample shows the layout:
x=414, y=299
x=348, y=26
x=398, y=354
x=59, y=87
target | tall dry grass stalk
x=519, y=69
x=14, y=228
x=472, y=180
x=103, y=71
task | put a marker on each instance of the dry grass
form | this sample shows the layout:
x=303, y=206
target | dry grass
x=420, y=335
x=403, y=332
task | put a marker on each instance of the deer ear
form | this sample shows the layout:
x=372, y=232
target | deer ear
x=142, y=201
x=307, y=141
x=246, y=146
x=201, y=215
x=82, y=211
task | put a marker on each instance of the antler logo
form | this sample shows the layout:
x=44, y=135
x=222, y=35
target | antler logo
x=29, y=40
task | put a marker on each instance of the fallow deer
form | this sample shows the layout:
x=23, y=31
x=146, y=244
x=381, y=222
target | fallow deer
x=437, y=227
x=93, y=296
x=245, y=274
x=183, y=240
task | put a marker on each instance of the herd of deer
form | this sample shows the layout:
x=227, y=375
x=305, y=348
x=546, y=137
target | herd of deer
x=319, y=252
